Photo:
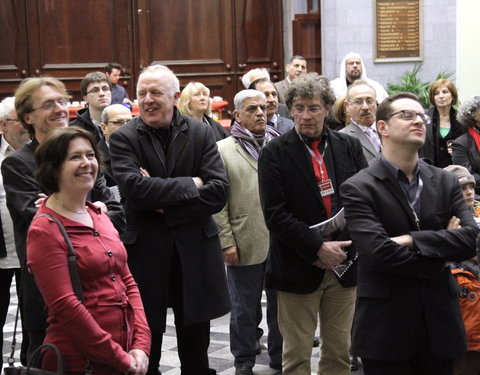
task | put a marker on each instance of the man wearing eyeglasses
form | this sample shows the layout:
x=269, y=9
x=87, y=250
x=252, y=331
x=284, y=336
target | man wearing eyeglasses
x=113, y=117
x=400, y=212
x=361, y=103
x=299, y=176
x=41, y=106
x=96, y=91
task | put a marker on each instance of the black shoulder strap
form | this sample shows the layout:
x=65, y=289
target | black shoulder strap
x=71, y=260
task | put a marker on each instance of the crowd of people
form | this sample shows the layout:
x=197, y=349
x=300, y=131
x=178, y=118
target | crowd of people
x=355, y=211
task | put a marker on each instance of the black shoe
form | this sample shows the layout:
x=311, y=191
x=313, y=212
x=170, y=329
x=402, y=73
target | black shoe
x=277, y=368
x=316, y=342
x=243, y=370
x=354, y=365
x=258, y=347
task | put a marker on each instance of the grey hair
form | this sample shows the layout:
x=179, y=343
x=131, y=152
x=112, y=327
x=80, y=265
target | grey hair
x=104, y=117
x=174, y=82
x=307, y=86
x=244, y=95
x=359, y=82
x=6, y=106
x=467, y=112
x=261, y=72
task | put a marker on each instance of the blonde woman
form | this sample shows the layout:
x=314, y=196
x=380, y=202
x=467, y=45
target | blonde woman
x=195, y=102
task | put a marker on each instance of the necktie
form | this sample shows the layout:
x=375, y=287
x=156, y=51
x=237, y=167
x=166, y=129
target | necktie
x=374, y=139
x=321, y=174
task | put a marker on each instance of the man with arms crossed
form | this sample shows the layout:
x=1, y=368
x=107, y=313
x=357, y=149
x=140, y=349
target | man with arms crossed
x=399, y=213
x=173, y=180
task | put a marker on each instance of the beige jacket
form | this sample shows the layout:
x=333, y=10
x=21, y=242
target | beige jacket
x=242, y=219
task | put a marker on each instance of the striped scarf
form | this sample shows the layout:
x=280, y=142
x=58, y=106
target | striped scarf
x=246, y=138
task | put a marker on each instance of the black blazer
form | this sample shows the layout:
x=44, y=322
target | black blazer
x=22, y=191
x=435, y=147
x=465, y=153
x=218, y=130
x=291, y=202
x=398, y=288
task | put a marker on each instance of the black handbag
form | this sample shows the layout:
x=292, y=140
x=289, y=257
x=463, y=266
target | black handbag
x=37, y=354
x=36, y=360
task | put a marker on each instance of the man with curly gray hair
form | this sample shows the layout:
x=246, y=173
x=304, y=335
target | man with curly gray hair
x=466, y=148
x=300, y=174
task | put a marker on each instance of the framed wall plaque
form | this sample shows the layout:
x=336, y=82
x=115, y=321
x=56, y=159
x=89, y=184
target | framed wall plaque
x=398, y=30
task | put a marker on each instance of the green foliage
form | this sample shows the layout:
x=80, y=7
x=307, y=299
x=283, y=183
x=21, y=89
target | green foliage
x=410, y=82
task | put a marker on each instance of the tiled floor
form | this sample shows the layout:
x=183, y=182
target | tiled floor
x=220, y=357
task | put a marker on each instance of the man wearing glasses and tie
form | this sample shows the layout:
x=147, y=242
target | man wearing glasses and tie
x=361, y=103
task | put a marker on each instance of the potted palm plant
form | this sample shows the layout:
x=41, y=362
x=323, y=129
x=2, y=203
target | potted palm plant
x=410, y=82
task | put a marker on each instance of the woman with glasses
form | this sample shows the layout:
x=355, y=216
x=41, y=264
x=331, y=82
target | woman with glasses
x=443, y=127
x=466, y=148
x=195, y=102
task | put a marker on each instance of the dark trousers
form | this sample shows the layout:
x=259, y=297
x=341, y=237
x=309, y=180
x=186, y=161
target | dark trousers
x=423, y=361
x=6, y=277
x=192, y=340
x=275, y=340
x=431, y=366
x=245, y=284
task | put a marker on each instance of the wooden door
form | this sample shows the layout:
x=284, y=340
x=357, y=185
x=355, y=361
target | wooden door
x=258, y=36
x=14, y=64
x=211, y=41
x=68, y=39
x=193, y=38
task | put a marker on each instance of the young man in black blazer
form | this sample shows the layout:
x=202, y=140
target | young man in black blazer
x=400, y=212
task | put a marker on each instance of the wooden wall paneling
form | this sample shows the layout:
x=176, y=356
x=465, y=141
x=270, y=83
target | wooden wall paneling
x=13, y=46
x=193, y=38
x=307, y=40
x=68, y=39
x=258, y=36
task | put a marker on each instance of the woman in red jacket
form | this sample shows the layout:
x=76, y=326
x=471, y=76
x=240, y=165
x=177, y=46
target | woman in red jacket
x=109, y=329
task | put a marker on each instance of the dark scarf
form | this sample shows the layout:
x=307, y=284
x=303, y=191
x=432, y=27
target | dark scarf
x=244, y=138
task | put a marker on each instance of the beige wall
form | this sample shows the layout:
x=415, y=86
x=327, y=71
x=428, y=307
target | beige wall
x=468, y=48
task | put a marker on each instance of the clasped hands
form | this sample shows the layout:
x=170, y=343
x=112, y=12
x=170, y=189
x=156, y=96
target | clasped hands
x=331, y=254
x=138, y=362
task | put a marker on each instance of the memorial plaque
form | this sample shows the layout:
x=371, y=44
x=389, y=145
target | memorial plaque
x=398, y=30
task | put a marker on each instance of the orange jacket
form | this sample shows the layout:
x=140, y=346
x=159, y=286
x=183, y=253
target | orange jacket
x=469, y=305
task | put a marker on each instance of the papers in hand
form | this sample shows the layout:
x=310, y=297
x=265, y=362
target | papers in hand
x=329, y=230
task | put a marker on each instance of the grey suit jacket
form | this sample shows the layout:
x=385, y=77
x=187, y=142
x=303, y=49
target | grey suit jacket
x=281, y=87
x=242, y=219
x=367, y=146
x=284, y=124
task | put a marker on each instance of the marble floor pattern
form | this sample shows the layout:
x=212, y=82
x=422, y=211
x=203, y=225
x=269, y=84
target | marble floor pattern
x=220, y=357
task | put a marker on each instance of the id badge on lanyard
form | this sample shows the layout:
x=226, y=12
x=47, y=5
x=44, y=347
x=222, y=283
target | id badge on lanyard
x=326, y=188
